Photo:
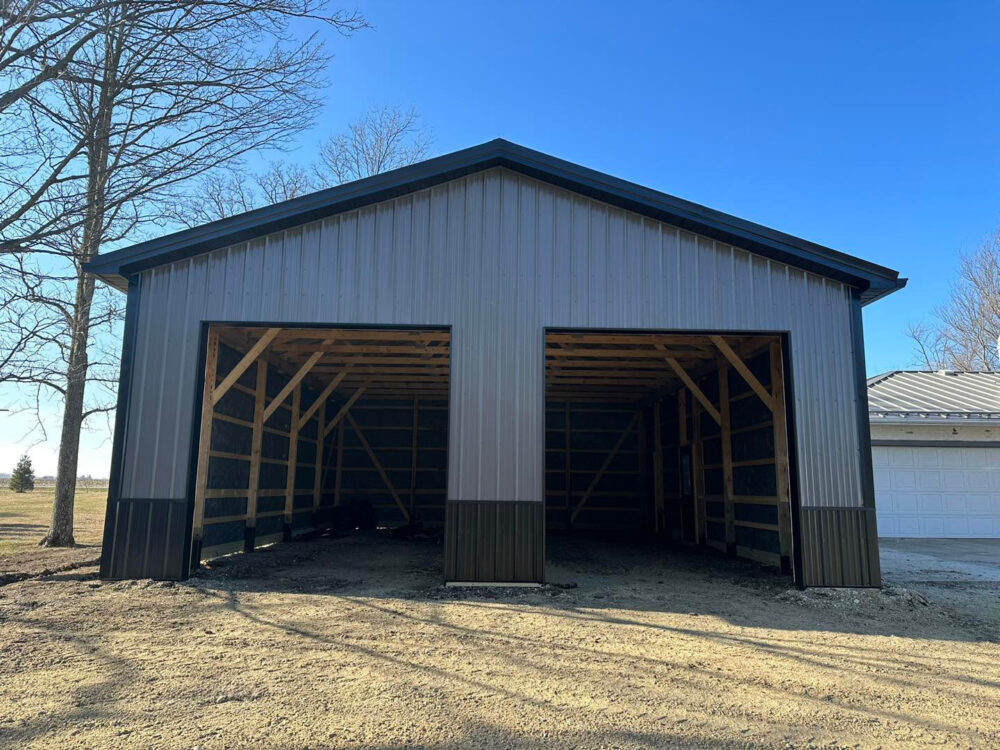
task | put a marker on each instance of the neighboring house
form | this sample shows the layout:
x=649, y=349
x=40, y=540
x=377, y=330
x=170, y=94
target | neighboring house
x=502, y=343
x=936, y=453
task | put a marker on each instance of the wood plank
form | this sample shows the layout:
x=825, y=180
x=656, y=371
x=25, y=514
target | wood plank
x=253, y=485
x=241, y=367
x=293, y=454
x=604, y=466
x=321, y=399
x=660, y=520
x=340, y=463
x=291, y=385
x=318, y=468
x=727, y=460
x=744, y=371
x=692, y=386
x=781, y=460
x=414, y=435
x=378, y=465
x=205, y=434
x=346, y=408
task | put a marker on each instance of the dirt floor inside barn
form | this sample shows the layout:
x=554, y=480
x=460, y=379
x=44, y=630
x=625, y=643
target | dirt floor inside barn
x=353, y=642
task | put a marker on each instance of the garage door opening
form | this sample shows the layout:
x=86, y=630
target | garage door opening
x=683, y=436
x=304, y=430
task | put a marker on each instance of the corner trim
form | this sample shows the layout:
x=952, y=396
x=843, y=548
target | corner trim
x=129, y=337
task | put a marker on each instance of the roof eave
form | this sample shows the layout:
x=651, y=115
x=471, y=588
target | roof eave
x=875, y=281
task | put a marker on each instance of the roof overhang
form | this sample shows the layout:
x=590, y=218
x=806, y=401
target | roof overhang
x=929, y=418
x=872, y=280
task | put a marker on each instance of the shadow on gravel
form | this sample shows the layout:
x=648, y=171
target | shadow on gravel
x=587, y=575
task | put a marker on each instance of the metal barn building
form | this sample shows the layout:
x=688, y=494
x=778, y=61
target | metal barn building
x=501, y=343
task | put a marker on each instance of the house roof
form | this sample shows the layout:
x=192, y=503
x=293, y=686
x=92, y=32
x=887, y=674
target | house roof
x=873, y=280
x=942, y=394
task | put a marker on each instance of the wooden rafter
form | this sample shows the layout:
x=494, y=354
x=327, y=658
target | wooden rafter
x=345, y=408
x=740, y=366
x=321, y=399
x=693, y=387
x=241, y=367
x=374, y=459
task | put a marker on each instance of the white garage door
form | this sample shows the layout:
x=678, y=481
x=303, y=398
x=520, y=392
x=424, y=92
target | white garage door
x=937, y=492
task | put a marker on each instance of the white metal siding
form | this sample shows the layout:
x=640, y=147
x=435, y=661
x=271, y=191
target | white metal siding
x=499, y=257
x=935, y=491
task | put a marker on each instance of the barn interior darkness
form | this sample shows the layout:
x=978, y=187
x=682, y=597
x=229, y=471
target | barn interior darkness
x=306, y=429
x=679, y=435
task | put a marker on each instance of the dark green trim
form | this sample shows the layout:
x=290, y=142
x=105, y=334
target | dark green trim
x=494, y=541
x=861, y=404
x=937, y=443
x=122, y=409
x=873, y=280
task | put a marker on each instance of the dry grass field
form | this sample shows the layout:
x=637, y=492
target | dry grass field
x=353, y=642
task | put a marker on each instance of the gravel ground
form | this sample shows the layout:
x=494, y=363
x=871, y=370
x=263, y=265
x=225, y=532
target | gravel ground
x=353, y=643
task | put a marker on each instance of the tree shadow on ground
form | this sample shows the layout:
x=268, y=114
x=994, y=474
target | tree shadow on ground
x=595, y=575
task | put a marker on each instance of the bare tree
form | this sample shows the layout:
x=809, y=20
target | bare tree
x=385, y=138
x=965, y=330
x=163, y=92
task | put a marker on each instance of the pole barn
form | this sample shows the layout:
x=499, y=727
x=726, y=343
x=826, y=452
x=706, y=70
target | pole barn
x=503, y=344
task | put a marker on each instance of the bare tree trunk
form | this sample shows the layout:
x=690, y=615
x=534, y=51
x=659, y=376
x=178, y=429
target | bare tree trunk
x=61, y=531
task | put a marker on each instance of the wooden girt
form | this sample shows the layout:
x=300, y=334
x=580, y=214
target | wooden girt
x=241, y=367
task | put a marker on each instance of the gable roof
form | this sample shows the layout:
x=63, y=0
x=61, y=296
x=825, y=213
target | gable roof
x=934, y=394
x=873, y=280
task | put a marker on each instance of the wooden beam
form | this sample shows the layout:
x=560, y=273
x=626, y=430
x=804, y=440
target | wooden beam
x=604, y=467
x=340, y=463
x=292, y=384
x=692, y=386
x=241, y=367
x=378, y=466
x=413, y=452
x=256, y=441
x=697, y=473
x=205, y=436
x=727, y=461
x=321, y=399
x=659, y=521
x=293, y=454
x=346, y=407
x=744, y=371
x=781, y=463
x=318, y=476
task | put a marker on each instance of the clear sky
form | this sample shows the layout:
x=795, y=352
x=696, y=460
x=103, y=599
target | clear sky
x=872, y=128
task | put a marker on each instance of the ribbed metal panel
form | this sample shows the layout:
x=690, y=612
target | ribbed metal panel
x=840, y=547
x=499, y=257
x=491, y=541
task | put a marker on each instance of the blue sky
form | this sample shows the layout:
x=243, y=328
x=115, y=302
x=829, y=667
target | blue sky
x=871, y=128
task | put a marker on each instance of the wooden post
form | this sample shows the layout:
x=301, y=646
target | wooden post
x=253, y=488
x=293, y=460
x=643, y=446
x=318, y=477
x=413, y=454
x=698, y=473
x=727, y=459
x=781, y=467
x=682, y=417
x=568, y=467
x=340, y=463
x=660, y=522
x=204, y=443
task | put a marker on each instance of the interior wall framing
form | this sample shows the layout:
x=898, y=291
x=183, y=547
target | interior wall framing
x=622, y=456
x=280, y=454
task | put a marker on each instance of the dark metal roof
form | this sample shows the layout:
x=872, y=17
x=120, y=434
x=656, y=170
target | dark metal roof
x=941, y=394
x=875, y=281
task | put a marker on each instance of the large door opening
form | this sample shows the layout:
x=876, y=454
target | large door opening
x=305, y=429
x=680, y=435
